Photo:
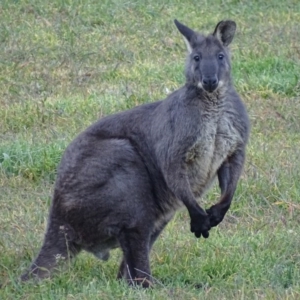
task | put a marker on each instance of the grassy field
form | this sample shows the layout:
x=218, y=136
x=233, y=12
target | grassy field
x=66, y=63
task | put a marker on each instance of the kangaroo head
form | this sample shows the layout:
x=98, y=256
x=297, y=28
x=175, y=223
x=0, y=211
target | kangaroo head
x=208, y=63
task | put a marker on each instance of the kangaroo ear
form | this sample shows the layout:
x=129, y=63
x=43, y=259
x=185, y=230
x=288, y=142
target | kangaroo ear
x=187, y=34
x=225, y=31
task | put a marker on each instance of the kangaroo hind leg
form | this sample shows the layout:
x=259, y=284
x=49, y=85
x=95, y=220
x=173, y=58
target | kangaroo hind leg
x=58, y=246
x=135, y=267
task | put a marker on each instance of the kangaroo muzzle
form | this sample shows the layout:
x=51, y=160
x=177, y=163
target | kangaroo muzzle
x=210, y=83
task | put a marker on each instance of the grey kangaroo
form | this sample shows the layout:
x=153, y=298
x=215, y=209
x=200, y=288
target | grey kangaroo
x=122, y=180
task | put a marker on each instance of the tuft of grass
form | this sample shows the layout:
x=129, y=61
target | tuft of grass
x=64, y=64
x=31, y=160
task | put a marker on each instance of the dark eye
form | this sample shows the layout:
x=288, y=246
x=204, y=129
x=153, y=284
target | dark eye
x=196, y=58
x=221, y=56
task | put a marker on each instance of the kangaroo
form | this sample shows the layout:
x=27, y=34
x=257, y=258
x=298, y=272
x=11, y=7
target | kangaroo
x=122, y=179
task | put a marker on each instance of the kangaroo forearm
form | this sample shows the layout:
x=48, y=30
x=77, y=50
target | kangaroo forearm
x=193, y=207
x=228, y=176
x=181, y=189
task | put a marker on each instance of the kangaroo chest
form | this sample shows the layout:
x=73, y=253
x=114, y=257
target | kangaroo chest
x=216, y=141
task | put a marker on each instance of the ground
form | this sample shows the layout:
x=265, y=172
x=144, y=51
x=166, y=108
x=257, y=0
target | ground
x=64, y=64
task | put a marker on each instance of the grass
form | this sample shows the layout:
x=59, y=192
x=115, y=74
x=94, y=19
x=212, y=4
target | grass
x=64, y=64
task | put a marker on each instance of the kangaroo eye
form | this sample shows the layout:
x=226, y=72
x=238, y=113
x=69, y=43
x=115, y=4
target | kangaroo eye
x=221, y=56
x=196, y=58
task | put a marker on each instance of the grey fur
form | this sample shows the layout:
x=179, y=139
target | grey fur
x=122, y=179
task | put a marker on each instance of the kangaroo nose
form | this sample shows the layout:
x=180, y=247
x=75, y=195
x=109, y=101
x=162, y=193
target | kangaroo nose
x=210, y=83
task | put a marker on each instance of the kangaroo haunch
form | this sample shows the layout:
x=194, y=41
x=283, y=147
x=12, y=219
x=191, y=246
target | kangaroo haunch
x=121, y=180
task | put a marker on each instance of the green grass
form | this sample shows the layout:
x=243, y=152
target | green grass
x=64, y=64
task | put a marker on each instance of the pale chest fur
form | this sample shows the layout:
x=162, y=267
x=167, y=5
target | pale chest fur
x=217, y=140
